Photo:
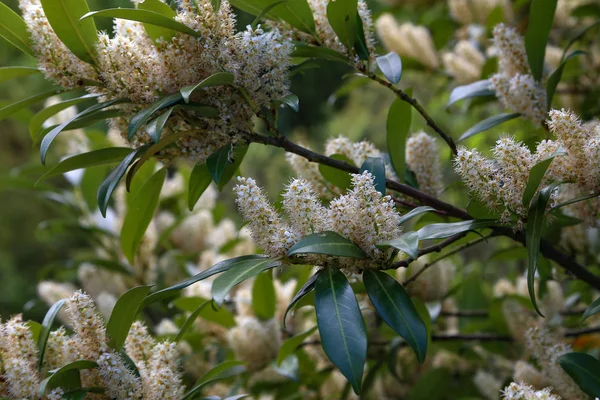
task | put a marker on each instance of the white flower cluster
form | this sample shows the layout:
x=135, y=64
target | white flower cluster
x=477, y=12
x=465, y=63
x=422, y=158
x=254, y=342
x=362, y=215
x=514, y=85
x=521, y=391
x=407, y=40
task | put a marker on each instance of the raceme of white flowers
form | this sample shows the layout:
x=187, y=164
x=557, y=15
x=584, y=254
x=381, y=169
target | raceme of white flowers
x=465, y=63
x=362, y=215
x=477, y=12
x=499, y=183
x=521, y=391
x=514, y=85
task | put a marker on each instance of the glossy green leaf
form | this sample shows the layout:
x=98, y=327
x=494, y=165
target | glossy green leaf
x=290, y=345
x=414, y=213
x=83, y=122
x=336, y=177
x=140, y=213
x=341, y=326
x=399, y=120
x=108, y=186
x=199, y=181
x=445, y=230
x=291, y=100
x=556, y=76
x=45, y=330
x=12, y=108
x=537, y=174
x=408, y=243
x=488, y=123
x=190, y=320
x=592, y=309
x=239, y=273
x=221, y=316
x=236, y=157
x=79, y=36
x=541, y=16
x=56, y=379
x=329, y=243
x=391, y=66
x=296, y=12
x=154, y=31
x=217, y=79
x=360, y=42
x=88, y=112
x=475, y=89
x=376, y=167
x=307, y=288
x=145, y=16
x=260, y=17
x=583, y=369
x=140, y=119
x=14, y=29
x=533, y=236
x=215, y=269
x=217, y=162
x=8, y=73
x=224, y=370
x=303, y=50
x=123, y=315
x=342, y=18
x=395, y=307
x=264, y=301
x=36, y=123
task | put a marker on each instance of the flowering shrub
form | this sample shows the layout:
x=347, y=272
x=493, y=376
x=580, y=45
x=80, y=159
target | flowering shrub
x=330, y=290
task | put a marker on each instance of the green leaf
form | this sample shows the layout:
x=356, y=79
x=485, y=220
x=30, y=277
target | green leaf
x=12, y=108
x=488, y=123
x=541, y=16
x=239, y=273
x=342, y=18
x=592, y=309
x=140, y=213
x=58, y=377
x=236, y=158
x=336, y=177
x=145, y=16
x=415, y=212
x=224, y=370
x=45, y=330
x=290, y=345
x=291, y=100
x=395, y=307
x=303, y=50
x=50, y=136
x=217, y=79
x=445, y=230
x=391, y=66
x=537, y=174
x=79, y=36
x=109, y=184
x=217, y=162
x=360, y=43
x=583, y=369
x=533, y=236
x=296, y=12
x=376, y=167
x=264, y=12
x=399, y=120
x=556, y=76
x=140, y=119
x=36, y=123
x=341, y=326
x=14, y=29
x=154, y=31
x=200, y=180
x=221, y=316
x=329, y=243
x=264, y=301
x=408, y=243
x=304, y=290
x=8, y=73
x=475, y=89
x=123, y=315
x=215, y=269
x=190, y=320
x=109, y=155
x=84, y=121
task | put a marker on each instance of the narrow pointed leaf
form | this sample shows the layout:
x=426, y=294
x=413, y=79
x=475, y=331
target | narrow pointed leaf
x=308, y=287
x=200, y=180
x=399, y=120
x=155, y=127
x=291, y=100
x=290, y=345
x=583, y=369
x=336, y=177
x=536, y=175
x=264, y=13
x=264, y=300
x=303, y=50
x=239, y=273
x=79, y=36
x=415, y=212
x=221, y=316
x=154, y=31
x=408, y=243
x=217, y=79
x=556, y=76
x=235, y=159
x=395, y=307
x=12, y=108
x=45, y=330
x=391, y=66
x=592, y=309
x=14, y=29
x=445, y=230
x=541, y=16
x=376, y=167
x=224, y=370
x=8, y=73
x=475, y=89
x=295, y=12
x=123, y=315
x=139, y=214
x=36, y=123
x=217, y=162
x=488, y=123
x=342, y=18
x=329, y=243
x=341, y=326
x=145, y=16
x=360, y=42
x=53, y=380
x=140, y=119
x=190, y=320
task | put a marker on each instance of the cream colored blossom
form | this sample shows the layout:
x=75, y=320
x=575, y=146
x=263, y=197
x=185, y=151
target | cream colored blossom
x=464, y=63
x=255, y=342
x=521, y=391
x=422, y=157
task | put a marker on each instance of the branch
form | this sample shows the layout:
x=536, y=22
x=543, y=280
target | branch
x=485, y=313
